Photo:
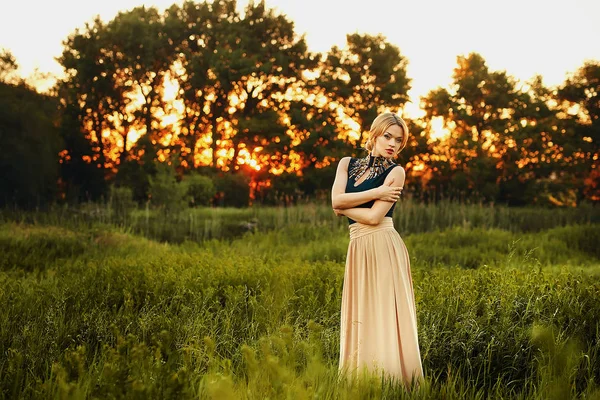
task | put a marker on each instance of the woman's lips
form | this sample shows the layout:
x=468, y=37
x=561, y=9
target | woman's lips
x=390, y=151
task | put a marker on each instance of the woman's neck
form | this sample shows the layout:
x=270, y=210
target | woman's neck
x=373, y=159
x=376, y=165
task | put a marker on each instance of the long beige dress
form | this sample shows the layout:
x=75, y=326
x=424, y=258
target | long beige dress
x=378, y=317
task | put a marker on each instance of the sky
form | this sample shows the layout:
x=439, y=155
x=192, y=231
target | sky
x=522, y=37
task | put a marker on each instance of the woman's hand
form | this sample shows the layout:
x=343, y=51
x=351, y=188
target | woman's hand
x=389, y=193
x=338, y=211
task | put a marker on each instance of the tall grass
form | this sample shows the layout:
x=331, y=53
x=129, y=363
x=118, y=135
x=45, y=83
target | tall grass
x=201, y=224
x=99, y=312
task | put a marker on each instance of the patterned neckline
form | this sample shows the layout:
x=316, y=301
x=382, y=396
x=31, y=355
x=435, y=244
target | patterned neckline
x=377, y=165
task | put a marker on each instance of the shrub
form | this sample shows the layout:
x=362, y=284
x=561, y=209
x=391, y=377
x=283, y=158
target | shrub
x=165, y=191
x=200, y=189
x=233, y=189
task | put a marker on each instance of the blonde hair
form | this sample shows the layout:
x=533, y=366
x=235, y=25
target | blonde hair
x=380, y=125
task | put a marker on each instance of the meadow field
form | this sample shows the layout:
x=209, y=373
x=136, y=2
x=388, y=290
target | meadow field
x=106, y=303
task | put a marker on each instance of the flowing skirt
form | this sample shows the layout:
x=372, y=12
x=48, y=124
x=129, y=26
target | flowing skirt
x=378, y=319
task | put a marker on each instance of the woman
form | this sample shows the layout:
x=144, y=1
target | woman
x=378, y=318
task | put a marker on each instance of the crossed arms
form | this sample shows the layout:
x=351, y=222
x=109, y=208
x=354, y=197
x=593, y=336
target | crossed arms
x=384, y=195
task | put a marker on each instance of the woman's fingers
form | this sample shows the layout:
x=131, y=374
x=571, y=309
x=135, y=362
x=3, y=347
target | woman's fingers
x=393, y=194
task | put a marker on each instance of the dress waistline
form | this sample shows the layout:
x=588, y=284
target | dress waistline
x=358, y=229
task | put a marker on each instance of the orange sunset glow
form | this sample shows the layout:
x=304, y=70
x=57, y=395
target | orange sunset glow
x=221, y=88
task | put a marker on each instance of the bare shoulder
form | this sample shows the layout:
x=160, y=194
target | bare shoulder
x=341, y=177
x=398, y=171
x=397, y=174
x=344, y=162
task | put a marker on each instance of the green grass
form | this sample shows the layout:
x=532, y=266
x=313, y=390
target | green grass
x=95, y=311
x=201, y=224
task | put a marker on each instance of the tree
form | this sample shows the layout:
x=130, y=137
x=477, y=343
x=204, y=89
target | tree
x=114, y=88
x=364, y=78
x=140, y=52
x=86, y=98
x=236, y=72
x=579, y=102
x=30, y=146
x=487, y=116
x=8, y=66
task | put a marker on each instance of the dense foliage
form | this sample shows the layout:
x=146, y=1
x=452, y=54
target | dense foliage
x=208, y=89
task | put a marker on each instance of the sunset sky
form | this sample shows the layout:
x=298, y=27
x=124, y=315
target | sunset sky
x=523, y=37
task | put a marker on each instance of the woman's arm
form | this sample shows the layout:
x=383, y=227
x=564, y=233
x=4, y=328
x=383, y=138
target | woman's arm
x=362, y=215
x=350, y=200
x=342, y=200
x=375, y=214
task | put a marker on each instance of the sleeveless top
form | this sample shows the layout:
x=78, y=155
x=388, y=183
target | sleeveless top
x=379, y=169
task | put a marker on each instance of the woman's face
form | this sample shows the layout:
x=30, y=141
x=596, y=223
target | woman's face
x=388, y=144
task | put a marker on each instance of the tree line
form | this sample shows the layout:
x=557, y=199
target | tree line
x=237, y=103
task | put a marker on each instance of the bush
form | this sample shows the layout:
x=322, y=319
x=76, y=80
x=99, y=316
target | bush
x=233, y=189
x=165, y=191
x=200, y=189
x=284, y=189
x=137, y=177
